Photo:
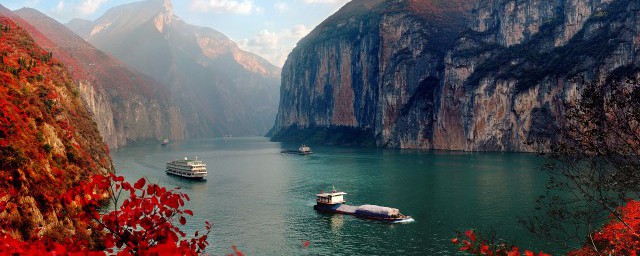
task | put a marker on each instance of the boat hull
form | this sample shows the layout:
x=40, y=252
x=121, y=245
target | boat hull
x=295, y=152
x=186, y=177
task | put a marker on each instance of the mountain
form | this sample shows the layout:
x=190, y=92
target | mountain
x=48, y=141
x=482, y=75
x=219, y=88
x=127, y=106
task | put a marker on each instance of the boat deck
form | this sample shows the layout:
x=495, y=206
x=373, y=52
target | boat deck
x=347, y=209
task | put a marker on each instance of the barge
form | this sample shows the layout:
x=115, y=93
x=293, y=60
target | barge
x=302, y=150
x=188, y=168
x=334, y=203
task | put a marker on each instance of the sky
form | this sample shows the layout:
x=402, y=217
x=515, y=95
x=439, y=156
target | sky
x=269, y=28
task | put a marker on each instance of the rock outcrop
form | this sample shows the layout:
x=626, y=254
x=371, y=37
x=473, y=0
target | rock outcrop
x=487, y=75
x=129, y=107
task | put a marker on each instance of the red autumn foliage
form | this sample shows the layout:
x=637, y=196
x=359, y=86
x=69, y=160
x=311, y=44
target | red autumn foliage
x=471, y=243
x=48, y=141
x=144, y=224
x=617, y=237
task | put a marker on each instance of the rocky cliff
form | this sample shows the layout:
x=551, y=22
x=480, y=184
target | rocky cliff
x=128, y=106
x=407, y=76
x=48, y=140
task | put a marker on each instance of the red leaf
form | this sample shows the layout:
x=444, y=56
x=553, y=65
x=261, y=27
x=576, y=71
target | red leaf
x=471, y=235
x=455, y=240
x=528, y=253
x=189, y=212
x=484, y=249
x=514, y=252
x=140, y=183
x=306, y=244
x=466, y=247
x=183, y=220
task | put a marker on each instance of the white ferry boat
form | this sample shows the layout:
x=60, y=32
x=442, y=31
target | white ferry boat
x=188, y=168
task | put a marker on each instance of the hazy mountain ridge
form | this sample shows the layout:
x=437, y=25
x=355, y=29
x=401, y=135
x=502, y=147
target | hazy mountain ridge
x=127, y=106
x=219, y=88
x=495, y=82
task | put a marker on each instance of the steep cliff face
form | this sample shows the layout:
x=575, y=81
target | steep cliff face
x=127, y=105
x=364, y=64
x=48, y=141
x=498, y=84
x=218, y=87
x=509, y=76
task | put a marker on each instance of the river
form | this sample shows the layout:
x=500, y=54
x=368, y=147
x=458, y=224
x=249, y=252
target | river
x=261, y=200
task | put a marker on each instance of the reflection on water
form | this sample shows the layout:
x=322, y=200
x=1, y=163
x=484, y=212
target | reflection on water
x=337, y=221
x=261, y=200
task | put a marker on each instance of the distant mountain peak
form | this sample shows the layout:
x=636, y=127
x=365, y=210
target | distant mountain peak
x=166, y=4
x=164, y=18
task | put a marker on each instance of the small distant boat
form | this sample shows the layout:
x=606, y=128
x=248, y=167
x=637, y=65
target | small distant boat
x=302, y=150
x=187, y=168
x=165, y=142
x=334, y=202
x=228, y=137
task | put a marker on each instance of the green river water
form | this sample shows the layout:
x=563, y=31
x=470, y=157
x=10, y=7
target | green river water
x=261, y=200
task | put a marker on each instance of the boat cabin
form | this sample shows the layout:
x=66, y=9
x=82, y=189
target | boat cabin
x=334, y=197
x=304, y=150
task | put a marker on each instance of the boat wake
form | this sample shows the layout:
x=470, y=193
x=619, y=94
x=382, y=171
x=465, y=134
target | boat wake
x=408, y=220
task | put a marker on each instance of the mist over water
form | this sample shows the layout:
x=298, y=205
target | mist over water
x=261, y=200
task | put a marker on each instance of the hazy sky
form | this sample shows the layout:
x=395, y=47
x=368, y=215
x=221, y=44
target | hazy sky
x=269, y=28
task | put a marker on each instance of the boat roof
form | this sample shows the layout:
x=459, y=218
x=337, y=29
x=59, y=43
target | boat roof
x=336, y=193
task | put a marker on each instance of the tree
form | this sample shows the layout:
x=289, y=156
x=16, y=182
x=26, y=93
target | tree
x=594, y=165
x=145, y=223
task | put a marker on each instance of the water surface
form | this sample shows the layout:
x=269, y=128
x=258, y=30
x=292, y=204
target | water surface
x=261, y=200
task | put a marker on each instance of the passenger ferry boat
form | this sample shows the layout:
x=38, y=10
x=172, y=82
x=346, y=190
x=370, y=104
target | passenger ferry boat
x=334, y=202
x=188, y=168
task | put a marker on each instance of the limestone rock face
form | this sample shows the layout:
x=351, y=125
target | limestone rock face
x=486, y=75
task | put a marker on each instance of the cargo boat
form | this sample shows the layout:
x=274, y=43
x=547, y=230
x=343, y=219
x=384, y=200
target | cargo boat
x=187, y=168
x=302, y=150
x=334, y=203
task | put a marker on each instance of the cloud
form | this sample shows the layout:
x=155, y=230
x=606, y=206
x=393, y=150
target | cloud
x=221, y=6
x=59, y=7
x=281, y=6
x=89, y=6
x=274, y=46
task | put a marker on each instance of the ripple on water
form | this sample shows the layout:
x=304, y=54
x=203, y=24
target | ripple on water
x=261, y=200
